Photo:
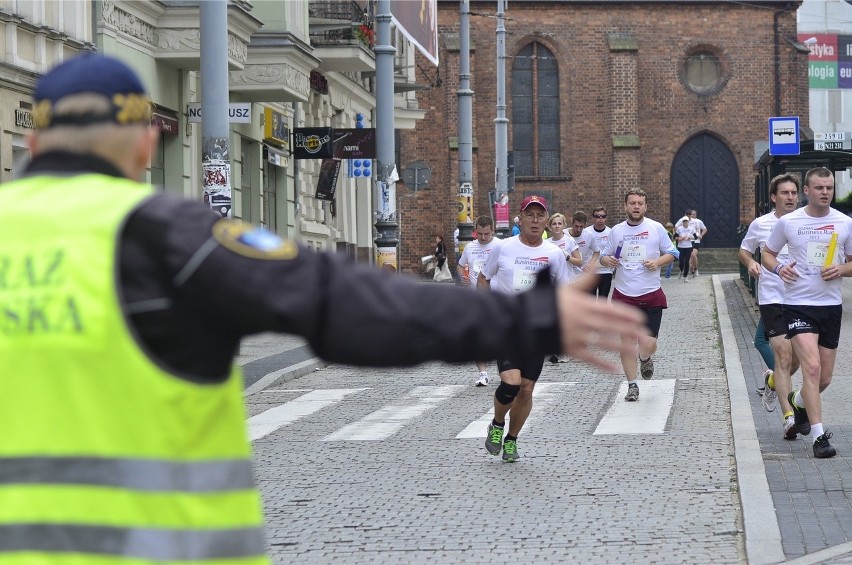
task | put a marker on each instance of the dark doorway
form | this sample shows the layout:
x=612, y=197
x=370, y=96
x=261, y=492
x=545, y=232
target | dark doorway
x=705, y=176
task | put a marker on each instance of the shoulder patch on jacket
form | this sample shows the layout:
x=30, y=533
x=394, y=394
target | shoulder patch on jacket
x=252, y=241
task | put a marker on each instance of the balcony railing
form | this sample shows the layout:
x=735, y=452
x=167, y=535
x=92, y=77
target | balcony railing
x=341, y=22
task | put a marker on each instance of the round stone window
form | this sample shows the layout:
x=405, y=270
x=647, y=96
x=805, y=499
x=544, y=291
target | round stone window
x=703, y=73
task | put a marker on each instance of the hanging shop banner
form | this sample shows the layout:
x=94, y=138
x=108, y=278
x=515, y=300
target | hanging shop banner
x=355, y=143
x=312, y=143
x=327, y=180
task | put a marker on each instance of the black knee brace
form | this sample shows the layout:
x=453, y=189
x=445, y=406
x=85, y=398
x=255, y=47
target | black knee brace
x=506, y=393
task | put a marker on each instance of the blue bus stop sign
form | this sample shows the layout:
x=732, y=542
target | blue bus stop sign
x=784, y=136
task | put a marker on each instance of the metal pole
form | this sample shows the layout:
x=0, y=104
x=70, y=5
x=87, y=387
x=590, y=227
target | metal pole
x=384, y=195
x=501, y=123
x=215, y=160
x=465, y=131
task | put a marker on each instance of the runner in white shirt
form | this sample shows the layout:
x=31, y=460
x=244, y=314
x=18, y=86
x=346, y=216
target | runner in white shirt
x=513, y=267
x=556, y=224
x=784, y=194
x=470, y=263
x=684, y=236
x=600, y=231
x=588, y=245
x=700, y=231
x=639, y=246
x=812, y=294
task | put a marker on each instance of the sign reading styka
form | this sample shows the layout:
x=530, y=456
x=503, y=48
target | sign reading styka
x=830, y=60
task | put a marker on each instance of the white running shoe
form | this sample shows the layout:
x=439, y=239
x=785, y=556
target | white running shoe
x=769, y=395
x=483, y=379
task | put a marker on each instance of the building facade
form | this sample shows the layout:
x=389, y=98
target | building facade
x=669, y=96
x=300, y=63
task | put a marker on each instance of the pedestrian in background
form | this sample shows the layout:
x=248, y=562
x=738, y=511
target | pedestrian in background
x=685, y=237
x=513, y=266
x=600, y=231
x=819, y=239
x=670, y=229
x=700, y=230
x=639, y=246
x=784, y=194
x=470, y=264
x=122, y=410
x=516, y=226
x=440, y=252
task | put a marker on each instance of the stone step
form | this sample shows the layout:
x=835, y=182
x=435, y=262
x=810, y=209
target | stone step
x=718, y=260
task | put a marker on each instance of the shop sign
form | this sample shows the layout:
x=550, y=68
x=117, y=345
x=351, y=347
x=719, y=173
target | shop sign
x=355, y=143
x=275, y=128
x=167, y=124
x=23, y=118
x=312, y=143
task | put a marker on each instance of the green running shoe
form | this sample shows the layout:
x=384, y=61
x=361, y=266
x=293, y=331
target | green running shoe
x=494, y=439
x=510, y=451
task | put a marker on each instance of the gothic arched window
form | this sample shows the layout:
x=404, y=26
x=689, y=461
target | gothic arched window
x=535, y=112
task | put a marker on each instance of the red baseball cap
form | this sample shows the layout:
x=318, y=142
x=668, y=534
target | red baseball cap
x=534, y=199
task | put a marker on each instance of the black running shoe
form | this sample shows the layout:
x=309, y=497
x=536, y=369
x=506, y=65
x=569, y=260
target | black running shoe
x=823, y=449
x=803, y=424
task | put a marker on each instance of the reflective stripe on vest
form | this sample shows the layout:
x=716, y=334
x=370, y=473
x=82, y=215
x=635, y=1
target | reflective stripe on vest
x=137, y=474
x=157, y=545
x=105, y=455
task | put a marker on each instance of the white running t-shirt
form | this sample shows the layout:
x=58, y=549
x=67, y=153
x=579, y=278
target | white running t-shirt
x=646, y=241
x=807, y=238
x=587, y=244
x=602, y=238
x=770, y=288
x=567, y=245
x=512, y=266
x=474, y=257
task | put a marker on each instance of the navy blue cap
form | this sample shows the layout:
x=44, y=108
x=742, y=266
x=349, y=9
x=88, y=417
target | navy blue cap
x=92, y=74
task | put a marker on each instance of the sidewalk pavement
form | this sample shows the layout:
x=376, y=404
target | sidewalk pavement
x=795, y=508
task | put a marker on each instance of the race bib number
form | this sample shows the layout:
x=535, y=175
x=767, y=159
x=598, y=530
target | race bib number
x=634, y=254
x=817, y=252
x=477, y=267
x=523, y=280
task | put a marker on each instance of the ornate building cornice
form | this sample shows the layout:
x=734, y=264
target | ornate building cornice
x=127, y=23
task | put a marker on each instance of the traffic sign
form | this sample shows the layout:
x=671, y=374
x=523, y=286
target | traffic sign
x=238, y=112
x=784, y=136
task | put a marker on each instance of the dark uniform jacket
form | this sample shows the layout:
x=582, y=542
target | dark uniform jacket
x=190, y=300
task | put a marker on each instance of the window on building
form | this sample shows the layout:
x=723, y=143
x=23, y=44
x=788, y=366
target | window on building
x=703, y=72
x=535, y=112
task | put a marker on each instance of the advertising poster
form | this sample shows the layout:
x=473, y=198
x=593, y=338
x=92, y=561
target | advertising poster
x=830, y=59
x=418, y=21
x=386, y=258
x=465, y=203
x=217, y=186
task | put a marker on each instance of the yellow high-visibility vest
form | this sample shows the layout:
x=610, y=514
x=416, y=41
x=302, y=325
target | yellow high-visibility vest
x=105, y=457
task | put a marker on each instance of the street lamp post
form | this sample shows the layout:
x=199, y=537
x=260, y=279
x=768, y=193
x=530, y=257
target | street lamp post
x=465, y=131
x=384, y=195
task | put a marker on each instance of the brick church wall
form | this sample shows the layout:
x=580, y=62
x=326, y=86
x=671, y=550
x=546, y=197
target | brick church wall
x=624, y=107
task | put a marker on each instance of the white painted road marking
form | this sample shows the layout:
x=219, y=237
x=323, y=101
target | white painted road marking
x=267, y=422
x=385, y=422
x=646, y=416
x=543, y=394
